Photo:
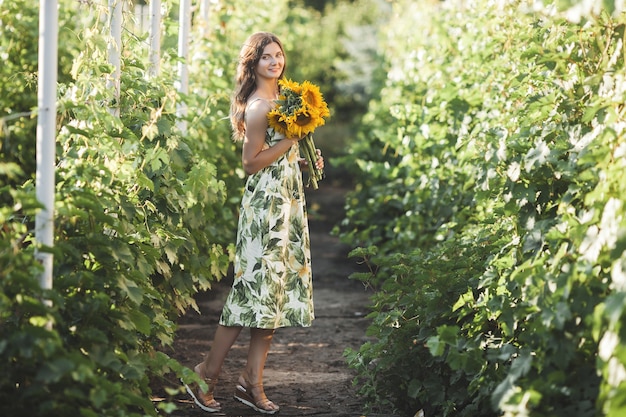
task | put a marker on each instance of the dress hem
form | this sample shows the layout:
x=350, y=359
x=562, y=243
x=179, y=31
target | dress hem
x=265, y=328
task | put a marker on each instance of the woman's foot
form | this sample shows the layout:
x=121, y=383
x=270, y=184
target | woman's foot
x=254, y=396
x=204, y=400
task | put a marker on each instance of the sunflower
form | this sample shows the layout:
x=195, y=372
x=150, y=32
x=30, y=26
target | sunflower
x=299, y=110
x=304, y=122
x=289, y=85
x=312, y=98
x=278, y=121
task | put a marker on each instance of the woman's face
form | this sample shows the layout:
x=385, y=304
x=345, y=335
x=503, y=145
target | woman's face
x=271, y=63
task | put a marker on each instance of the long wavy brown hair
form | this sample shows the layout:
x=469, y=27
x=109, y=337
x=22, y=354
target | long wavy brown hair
x=245, y=80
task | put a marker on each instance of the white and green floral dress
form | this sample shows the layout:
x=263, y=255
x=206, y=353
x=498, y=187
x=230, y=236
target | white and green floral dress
x=273, y=281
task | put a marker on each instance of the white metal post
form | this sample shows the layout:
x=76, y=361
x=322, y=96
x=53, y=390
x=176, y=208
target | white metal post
x=155, y=37
x=204, y=16
x=183, y=53
x=46, y=133
x=115, y=49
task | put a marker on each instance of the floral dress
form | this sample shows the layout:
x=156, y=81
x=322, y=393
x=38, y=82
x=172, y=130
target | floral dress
x=273, y=280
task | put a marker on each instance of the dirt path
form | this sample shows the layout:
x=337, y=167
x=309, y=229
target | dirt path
x=306, y=373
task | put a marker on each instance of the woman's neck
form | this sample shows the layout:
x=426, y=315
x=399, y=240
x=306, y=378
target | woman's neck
x=267, y=90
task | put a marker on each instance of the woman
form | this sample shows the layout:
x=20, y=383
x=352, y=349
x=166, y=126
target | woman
x=272, y=287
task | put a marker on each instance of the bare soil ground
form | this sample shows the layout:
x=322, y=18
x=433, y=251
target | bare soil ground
x=306, y=373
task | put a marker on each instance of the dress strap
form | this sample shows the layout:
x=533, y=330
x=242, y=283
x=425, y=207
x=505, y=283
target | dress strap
x=256, y=99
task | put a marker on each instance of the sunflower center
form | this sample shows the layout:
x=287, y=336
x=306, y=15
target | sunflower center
x=303, y=119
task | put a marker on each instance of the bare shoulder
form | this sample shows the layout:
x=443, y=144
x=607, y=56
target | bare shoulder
x=257, y=110
x=258, y=105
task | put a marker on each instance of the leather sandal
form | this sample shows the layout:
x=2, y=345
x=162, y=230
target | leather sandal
x=260, y=404
x=205, y=401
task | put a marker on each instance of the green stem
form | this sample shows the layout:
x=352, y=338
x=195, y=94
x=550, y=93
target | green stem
x=315, y=172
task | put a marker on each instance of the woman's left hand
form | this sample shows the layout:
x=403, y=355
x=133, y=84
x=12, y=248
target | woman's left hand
x=319, y=163
x=320, y=159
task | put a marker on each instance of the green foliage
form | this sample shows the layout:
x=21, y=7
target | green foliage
x=142, y=225
x=495, y=146
x=19, y=29
x=89, y=361
x=398, y=369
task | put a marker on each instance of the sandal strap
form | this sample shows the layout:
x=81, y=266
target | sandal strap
x=261, y=401
x=211, y=382
x=258, y=402
x=206, y=398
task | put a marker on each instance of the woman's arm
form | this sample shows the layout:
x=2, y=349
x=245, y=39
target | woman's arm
x=253, y=157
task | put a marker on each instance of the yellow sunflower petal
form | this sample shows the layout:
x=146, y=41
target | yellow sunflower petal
x=314, y=99
x=276, y=120
x=287, y=84
x=306, y=122
x=317, y=116
x=311, y=94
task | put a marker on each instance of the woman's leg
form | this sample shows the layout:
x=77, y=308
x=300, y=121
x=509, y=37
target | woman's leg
x=251, y=380
x=209, y=370
x=260, y=341
x=222, y=342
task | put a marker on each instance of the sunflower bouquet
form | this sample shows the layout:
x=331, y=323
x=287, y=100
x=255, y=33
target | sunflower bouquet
x=299, y=111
